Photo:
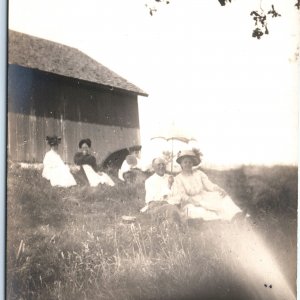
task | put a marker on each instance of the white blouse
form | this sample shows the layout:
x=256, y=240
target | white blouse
x=186, y=186
x=157, y=188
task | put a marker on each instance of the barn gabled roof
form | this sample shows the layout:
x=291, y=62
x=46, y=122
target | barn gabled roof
x=36, y=53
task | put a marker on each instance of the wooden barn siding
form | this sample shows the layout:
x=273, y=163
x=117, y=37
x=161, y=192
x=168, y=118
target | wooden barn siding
x=48, y=95
x=41, y=104
x=26, y=137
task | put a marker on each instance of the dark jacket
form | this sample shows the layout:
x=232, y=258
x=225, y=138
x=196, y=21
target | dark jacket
x=80, y=159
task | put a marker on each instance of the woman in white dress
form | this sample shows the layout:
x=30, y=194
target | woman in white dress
x=131, y=165
x=197, y=195
x=54, y=169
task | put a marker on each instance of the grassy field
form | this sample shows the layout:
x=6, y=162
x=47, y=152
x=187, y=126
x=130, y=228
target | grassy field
x=72, y=243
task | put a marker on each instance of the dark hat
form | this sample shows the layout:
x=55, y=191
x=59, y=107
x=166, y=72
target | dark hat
x=135, y=148
x=194, y=155
x=85, y=141
x=53, y=140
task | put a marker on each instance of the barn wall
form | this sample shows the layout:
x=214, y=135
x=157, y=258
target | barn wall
x=48, y=95
x=41, y=104
x=26, y=137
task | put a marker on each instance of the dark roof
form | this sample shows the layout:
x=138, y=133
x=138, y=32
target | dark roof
x=36, y=53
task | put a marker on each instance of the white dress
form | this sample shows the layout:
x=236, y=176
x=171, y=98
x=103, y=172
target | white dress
x=55, y=170
x=95, y=178
x=200, y=198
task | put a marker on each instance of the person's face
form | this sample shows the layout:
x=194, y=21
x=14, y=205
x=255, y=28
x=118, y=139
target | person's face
x=136, y=153
x=159, y=167
x=85, y=149
x=186, y=164
x=54, y=147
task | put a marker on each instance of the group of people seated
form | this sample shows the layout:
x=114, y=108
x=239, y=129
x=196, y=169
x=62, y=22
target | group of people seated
x=190, y=194
x=59, y=174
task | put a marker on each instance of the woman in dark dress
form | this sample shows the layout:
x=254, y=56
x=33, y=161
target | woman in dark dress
x=83, y=157
x=88, y=166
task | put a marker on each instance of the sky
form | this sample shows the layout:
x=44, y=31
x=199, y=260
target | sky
x=238, y=96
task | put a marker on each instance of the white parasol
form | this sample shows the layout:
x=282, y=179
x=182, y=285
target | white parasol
x=174, y=133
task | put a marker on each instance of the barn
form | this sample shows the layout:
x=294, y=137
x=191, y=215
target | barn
x=56, y=89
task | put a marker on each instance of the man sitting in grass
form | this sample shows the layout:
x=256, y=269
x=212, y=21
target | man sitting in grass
x=158, y=187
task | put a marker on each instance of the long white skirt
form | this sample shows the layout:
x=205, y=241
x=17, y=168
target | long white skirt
x=211, y=206
x=56, y=171
x=95, y=179
x=59, y=176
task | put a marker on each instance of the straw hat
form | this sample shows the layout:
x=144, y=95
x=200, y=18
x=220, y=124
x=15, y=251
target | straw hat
x=135, y=148
x=194, y=155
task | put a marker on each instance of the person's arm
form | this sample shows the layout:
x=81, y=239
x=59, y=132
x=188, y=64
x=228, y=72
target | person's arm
x=78, y=159
x=170, y=181
x=178, y=194
x=93, y=163
x=209, y=186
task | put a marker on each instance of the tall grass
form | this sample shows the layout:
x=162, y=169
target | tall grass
x=72, y=243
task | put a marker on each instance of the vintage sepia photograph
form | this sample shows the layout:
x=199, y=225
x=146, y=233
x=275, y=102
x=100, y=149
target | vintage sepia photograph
x=152, y=149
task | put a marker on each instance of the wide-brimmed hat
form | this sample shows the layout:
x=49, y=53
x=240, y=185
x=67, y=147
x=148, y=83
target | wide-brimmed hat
x=85, y=141
x=53, y=140
x=195, y=156
x=135, y=148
